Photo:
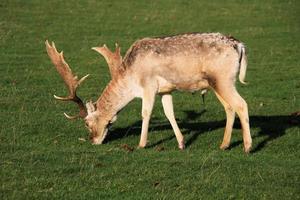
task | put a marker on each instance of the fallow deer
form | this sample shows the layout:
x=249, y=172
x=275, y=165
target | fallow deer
x=153, y=66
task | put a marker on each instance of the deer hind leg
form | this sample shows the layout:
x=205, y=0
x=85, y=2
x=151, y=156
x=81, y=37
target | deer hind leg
x=167, y=103
x=147, y=106
x=229, y=94
x=230, y=116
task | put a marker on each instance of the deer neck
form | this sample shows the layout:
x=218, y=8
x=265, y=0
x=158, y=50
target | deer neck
x=116, y=95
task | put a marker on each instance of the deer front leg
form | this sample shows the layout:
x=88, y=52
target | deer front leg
x=147, y=106
x=167, y=103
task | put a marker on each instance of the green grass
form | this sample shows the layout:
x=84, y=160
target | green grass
x=41, y=156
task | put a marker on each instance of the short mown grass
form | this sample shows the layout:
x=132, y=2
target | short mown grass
x=44, y=156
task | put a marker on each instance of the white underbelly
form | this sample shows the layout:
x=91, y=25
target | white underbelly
x=165, y=86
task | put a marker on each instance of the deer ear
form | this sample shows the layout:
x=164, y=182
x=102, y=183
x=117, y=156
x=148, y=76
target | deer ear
x=90, y=107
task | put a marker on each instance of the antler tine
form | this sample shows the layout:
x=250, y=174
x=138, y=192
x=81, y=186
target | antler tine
x=71, y=117
x=70, y=80
x=104, y=51
x=118, y=51
x=117, y=46
x=82, y=79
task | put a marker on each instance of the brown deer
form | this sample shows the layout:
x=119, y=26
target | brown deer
x=151, y=66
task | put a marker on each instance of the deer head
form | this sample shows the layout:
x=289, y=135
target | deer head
x=88, y=112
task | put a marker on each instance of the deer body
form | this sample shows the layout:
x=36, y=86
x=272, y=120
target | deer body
x=187, y=62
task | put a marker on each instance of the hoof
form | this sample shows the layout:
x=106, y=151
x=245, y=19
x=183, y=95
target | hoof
x=247, y=148
x=181, y=146
x=141, y=146
x=224, y=146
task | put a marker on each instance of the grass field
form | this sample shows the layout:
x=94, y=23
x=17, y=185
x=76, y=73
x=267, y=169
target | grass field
x=42, y=156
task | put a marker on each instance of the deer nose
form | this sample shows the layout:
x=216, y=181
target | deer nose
x=96, y=140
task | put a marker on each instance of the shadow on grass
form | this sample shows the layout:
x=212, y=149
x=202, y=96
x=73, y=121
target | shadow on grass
x=271, y=126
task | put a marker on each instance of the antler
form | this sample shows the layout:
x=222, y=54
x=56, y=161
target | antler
x=70, y=80
x=113, y=59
